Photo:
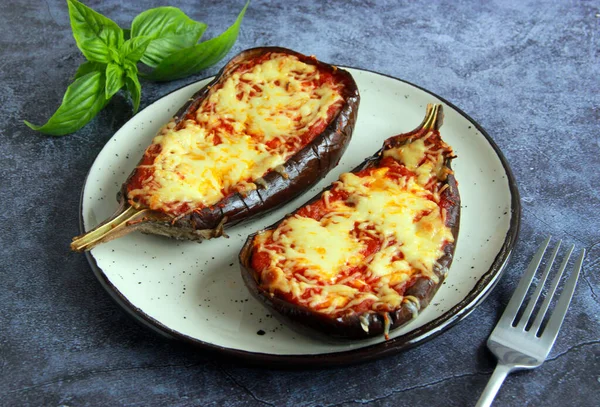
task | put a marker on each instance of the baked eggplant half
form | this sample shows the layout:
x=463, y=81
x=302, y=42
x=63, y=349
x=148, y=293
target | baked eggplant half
x=369, y=253
x=270, y=125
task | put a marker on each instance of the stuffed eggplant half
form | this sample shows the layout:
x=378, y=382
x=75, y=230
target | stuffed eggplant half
x=369, y=253
x=270, y=125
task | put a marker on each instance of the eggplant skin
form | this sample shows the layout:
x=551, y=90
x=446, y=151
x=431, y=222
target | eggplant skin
x=277, y=187
x=307, y=321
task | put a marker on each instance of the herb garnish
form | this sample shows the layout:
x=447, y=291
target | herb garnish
x=163, y=38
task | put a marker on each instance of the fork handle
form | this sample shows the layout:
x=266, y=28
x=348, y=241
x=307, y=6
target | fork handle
x=500, y=373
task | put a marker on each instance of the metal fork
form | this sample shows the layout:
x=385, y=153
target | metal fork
x=519, y=343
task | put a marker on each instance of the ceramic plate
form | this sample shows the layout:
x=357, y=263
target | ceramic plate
x=195, y=292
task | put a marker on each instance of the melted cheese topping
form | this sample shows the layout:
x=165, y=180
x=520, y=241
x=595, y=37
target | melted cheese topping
x=320, y=263
x=249, y=124
x=425, y=162
x=317, y=245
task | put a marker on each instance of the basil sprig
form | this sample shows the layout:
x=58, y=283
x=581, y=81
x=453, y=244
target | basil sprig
x=163, y=38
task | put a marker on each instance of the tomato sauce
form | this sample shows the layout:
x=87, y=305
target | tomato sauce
x=141, y=176
x=357, y=277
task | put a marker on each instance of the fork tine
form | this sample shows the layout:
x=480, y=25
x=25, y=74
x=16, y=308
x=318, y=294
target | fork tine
x=515, y=302
x=544, y=308
x=538, y=290
x=558, y=315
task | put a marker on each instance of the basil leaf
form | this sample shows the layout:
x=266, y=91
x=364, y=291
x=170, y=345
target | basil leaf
x=89, y=66
x=83, y=99
x=161, y=48
x=191, y=60
x=170, y=29
x=130, y=67
x=115, y=79
x=95, y=34
x=134, y=48
x=134, y=88
x=115, y=55
x=126, y=34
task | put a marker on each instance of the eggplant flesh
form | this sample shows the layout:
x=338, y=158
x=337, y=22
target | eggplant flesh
x=366, y=324
x=278, y=186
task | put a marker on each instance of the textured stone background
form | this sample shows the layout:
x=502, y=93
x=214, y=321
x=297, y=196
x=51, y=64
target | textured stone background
x=527, y=71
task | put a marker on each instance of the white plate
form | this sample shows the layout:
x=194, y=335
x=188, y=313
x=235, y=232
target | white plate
x=195, y=291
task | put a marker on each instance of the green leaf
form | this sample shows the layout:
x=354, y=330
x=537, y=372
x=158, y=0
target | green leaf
x=134, y=48
x=95, y=34
x=126, y=34
x=89, y=66
x=115, y=79
x=191, y=60
x=83, y=99
x=170, y=29
x=161, y=48
x=130, y=67
x=115, y=55
x=135, y=90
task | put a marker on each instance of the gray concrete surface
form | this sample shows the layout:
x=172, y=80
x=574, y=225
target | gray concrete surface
x=527, y=71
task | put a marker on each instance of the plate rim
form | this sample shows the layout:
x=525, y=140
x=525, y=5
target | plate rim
x=420, y=335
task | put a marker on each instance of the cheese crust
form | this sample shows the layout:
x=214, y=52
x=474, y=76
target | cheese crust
x=249, y=124
x=367, y=240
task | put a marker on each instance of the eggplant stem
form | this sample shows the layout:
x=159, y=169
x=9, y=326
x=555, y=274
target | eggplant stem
x=434, y=117
x=119, y=225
